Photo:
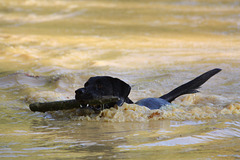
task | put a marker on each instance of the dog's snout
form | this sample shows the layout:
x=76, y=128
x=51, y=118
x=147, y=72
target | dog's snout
x=83, y=93
x=80, y=91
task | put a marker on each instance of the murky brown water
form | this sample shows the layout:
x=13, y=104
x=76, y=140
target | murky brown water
x=50, y=48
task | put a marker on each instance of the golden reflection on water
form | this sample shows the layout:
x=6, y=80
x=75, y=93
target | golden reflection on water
x=50, y=48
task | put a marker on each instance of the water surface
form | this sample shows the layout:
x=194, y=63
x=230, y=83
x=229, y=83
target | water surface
x=48, y=49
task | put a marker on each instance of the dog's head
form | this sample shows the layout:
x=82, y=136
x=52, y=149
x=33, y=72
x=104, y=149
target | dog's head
x=97, y=87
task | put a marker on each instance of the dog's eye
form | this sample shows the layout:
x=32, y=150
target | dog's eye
x=99, y=86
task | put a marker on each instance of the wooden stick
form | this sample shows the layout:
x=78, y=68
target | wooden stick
x=70, y=104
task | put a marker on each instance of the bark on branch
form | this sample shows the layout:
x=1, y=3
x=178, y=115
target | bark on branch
x=70, y=104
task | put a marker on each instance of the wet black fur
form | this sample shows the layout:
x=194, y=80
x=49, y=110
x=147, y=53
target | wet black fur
x=99, y=86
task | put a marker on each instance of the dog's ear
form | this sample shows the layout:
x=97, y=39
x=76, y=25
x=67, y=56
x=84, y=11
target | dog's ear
x=120, y=89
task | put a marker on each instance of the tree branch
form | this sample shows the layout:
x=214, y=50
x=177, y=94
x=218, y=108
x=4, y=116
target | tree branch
x=70, y=104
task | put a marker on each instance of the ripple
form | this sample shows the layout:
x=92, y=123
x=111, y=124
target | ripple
x=215, y=135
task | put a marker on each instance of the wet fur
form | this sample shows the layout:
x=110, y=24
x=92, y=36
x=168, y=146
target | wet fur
x=99, y=86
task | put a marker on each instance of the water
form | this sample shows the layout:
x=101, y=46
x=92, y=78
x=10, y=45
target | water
x=48, y=49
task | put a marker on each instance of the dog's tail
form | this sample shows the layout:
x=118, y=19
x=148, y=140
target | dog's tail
x=190, y=87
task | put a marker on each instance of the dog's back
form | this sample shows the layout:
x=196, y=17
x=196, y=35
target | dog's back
x=187, y=88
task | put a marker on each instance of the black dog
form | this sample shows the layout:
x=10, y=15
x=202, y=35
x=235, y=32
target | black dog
x=99, y=86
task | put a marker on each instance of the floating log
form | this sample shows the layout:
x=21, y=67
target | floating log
x=70, y=104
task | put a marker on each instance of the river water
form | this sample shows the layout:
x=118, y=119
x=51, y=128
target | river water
x=49, y=48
